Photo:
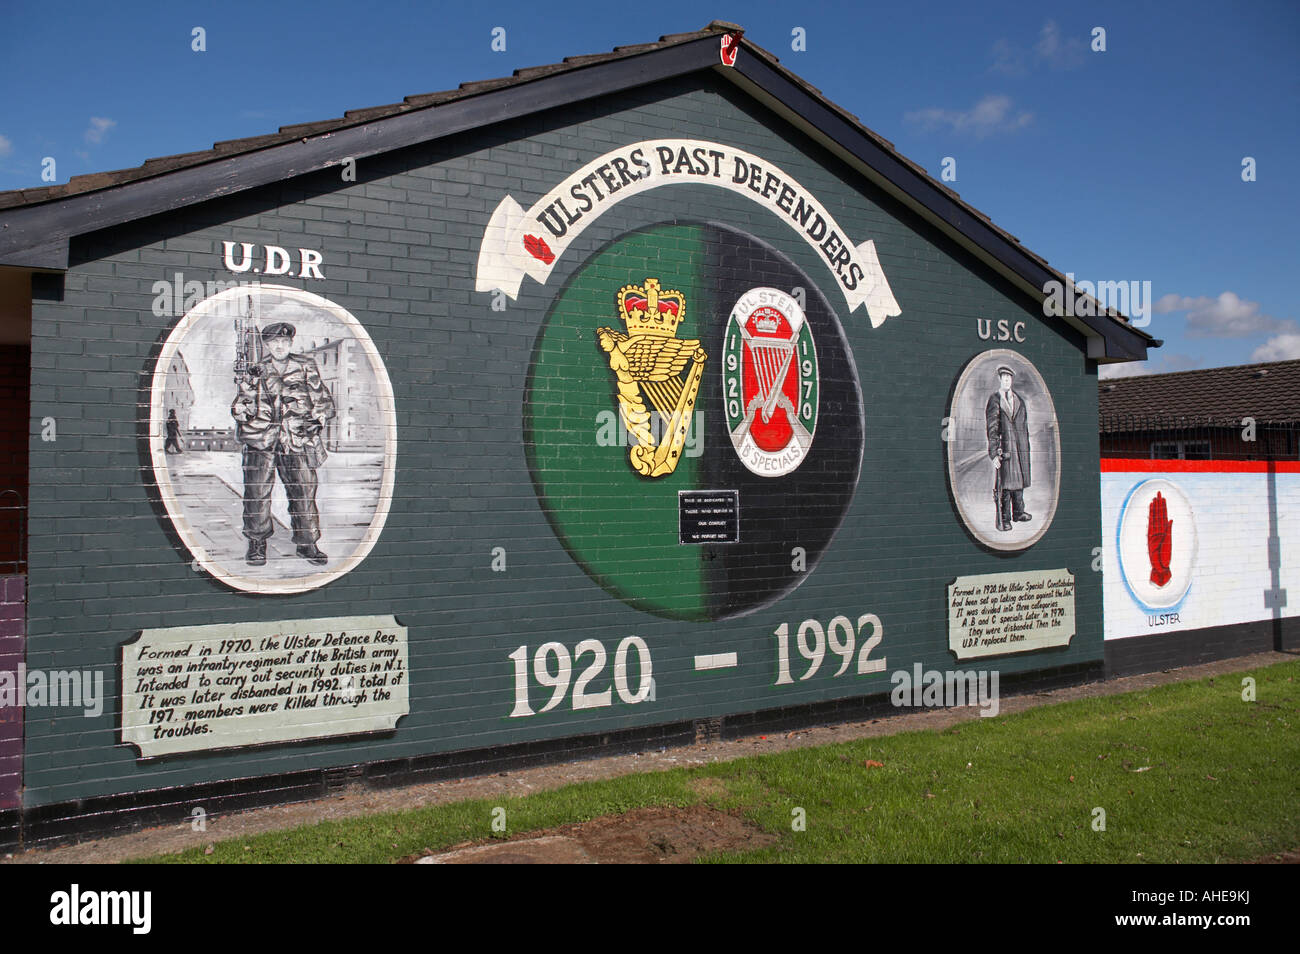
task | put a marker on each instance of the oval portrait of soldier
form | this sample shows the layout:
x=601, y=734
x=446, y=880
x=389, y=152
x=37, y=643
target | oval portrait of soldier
x=1004, y=450
x=273, y=438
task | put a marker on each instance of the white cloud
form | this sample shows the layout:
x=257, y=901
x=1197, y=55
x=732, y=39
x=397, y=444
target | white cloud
x=1057, y=53
x=1163, y=364
x=6, y=146
x=991, y=114
x=1008, y=59
x=1227, y=316
x=1051, y=49
x=98, y=129
x=1278, y=348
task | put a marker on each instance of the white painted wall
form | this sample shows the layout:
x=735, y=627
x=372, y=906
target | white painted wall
x=1225, y=574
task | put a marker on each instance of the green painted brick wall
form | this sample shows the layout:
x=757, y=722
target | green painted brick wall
x=400, y=247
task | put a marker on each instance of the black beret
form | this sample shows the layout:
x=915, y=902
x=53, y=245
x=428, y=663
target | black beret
x=281, y=329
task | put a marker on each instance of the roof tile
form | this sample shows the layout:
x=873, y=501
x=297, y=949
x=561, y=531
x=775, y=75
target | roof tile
x=1266, y=392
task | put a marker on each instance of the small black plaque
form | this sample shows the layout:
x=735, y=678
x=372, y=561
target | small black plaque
x=708, y=516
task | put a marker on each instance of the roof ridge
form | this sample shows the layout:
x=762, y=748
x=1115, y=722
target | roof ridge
x=932, y=197
x=1268, y=365
x=226, y=148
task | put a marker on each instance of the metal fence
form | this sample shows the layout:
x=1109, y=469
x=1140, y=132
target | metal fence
x=1168, y=437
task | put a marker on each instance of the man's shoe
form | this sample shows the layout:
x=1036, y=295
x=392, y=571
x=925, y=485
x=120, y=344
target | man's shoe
x=1004, y=526
x=256, y=553
x=311, y=554
x=1024, y=517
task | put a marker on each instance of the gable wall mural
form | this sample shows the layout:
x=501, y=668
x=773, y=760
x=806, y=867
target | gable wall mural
x=646, y=411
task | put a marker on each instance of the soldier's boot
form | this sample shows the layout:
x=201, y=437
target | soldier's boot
x=1018, y=507
x=256, y=553
x=312, y=554
x=1004, y=511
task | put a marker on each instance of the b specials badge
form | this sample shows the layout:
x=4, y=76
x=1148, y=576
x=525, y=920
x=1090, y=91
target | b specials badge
x=770, y=382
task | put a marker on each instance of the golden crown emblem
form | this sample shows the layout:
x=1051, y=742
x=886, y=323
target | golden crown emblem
x=649, y=310
x=648, y=363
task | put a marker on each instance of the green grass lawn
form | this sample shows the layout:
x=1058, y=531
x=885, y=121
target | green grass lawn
x=1187, y=772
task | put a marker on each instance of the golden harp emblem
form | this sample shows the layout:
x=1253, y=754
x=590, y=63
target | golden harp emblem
x=648, y=362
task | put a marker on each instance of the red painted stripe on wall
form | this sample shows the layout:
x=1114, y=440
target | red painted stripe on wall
x=1112, y=465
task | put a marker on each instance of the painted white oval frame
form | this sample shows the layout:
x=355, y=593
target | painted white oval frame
x=970, y=520
x=722, y=370
x=1130, y=543
x=162, y=474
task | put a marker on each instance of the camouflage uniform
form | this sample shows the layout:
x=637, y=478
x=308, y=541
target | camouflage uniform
x=281, y=413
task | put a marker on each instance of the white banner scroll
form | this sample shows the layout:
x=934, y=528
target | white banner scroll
x=518, y=243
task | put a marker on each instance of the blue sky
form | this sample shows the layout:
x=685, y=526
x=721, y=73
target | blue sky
x=1123, y=165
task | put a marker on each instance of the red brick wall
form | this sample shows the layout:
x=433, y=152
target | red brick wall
x=12, y=628
x=15, y=377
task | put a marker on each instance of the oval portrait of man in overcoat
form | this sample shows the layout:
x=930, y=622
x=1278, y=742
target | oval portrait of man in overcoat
x=1004, y=450
x=273, y=437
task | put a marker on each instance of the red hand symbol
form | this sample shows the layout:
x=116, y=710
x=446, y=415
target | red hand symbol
x=1160, y=540
x=538, y=249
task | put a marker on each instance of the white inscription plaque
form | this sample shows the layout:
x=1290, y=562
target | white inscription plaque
x=191, y=688
x=1001, y=613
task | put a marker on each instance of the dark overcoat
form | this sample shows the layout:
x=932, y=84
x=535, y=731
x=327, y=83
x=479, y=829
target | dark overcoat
x=1009, y=439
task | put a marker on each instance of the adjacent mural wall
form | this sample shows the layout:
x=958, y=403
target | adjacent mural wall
x=1193, y=545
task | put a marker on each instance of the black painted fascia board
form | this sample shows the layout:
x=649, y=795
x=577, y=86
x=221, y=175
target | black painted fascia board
x=51, y=257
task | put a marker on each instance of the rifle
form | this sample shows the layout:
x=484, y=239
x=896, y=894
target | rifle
x=999, y=461
x=997, y=491
x=248, y=346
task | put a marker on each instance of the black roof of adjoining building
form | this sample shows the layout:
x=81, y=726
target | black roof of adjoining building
x=1264, y=392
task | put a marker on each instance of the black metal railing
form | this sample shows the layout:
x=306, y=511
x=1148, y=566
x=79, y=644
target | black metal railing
x=1170, y=437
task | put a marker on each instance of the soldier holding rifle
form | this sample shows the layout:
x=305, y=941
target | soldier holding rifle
x=281, y=407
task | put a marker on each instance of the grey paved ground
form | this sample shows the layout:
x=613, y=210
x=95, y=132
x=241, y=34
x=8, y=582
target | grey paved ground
x=210, y=488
